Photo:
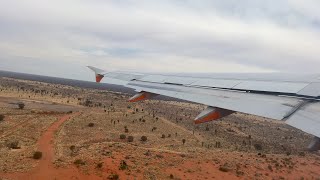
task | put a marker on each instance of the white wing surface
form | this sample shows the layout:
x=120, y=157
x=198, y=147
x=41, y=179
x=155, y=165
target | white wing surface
x=292, y=98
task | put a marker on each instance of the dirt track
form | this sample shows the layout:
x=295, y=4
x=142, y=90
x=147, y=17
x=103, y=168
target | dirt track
x=45, y=168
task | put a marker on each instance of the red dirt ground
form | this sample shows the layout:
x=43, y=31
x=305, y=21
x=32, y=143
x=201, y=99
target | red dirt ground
x=46, y=169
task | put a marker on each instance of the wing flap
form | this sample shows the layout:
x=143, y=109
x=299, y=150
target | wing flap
x=307, y=118
x=273, y=107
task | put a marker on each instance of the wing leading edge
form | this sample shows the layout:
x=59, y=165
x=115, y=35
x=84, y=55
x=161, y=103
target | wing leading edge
x=293, y=100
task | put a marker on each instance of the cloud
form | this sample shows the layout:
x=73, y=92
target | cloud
x=162, y=36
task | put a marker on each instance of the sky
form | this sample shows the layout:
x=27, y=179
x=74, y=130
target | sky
x=60, y=38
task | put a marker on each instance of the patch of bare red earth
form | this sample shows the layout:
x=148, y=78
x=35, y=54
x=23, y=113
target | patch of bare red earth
x=46, y=169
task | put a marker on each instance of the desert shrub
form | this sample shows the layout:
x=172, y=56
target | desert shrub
x=13, y=144
x=148, y=153
x=21, y=105
x=123, y=165
x=183, y=141
x=91, y=124
x=126, y=130
x=69, y=112
x=113, y=177
x=144, y=138
x=37, y=155
x=99, y=165
x=169, y=135
x=72, y=147
x=87, y=103
x=159, y=156
x=171, y=176
x=130, y=138
x=163, y=136
x=79, y=162
x=122, y=136
x=1, y=117
x=218, y=144
x=258, y=147
x=224, y=168
x=239, y=173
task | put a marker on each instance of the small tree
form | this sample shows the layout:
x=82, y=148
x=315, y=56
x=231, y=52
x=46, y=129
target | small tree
x=113, y=177
x=91, y=124
x=21, y=105
x=72, y=148
x=79, y=162
x=123, y=165
x=130, y=138
x=1, y=117
x=99, y=165
x=144, y=138
x=122, y=136
x=183, y=141
x=37, y=155
x=13, y=144
x=258, y=147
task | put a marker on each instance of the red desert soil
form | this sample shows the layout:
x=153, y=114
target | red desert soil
x=45, y=169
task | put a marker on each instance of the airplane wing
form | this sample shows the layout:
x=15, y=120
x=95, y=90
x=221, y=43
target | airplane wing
x=286, y=97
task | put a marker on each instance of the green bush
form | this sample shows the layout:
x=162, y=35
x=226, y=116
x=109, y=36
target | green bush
x=113, y=177
x=183, y=141
x=1, y=117
x=79, y=162
x=123, y=165
x=144, y=138
x=99, y=165
x=122, y=136
x=72, y=147
x=91, y=124
x=21, y=105
x=224, y=169
x=258, y=147
x=37, y=155
x=13, y=144
x=130, y=138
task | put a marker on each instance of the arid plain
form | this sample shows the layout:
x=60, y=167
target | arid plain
x=66, y=132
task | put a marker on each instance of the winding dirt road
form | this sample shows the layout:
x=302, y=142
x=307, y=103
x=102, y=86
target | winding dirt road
x=45, y=168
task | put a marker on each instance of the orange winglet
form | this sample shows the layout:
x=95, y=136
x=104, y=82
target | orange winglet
x=141, y=96
x=211, y=114
x=210, y=117
x=99, y=77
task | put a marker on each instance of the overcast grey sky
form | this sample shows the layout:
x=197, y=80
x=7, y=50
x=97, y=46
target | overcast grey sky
x=60, y=37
